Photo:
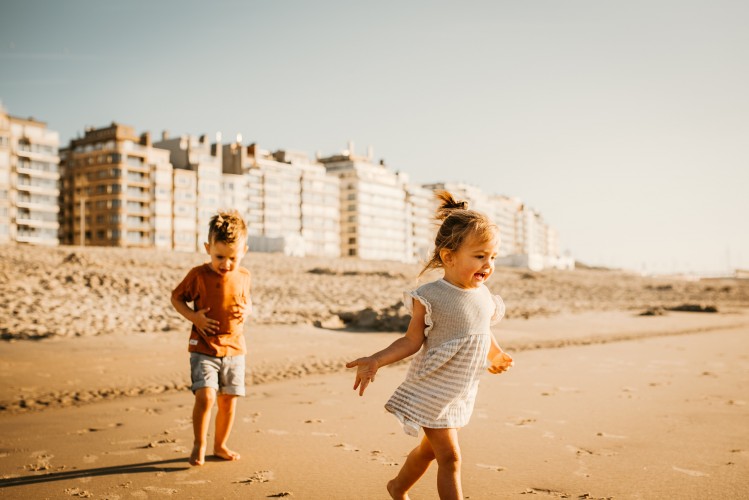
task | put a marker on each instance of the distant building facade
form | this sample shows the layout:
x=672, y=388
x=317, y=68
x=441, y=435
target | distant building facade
x=373, y=208
x=29, y=181
x=197, y=187
x=292, y=205
x=116, y=190
x=113, y=187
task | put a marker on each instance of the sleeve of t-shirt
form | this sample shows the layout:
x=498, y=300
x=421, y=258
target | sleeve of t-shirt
x=187, y=290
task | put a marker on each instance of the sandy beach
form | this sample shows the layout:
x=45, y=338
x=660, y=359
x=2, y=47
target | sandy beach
x=603, y=402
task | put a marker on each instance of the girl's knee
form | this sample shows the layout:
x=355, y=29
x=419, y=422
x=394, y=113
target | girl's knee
x=449, y=457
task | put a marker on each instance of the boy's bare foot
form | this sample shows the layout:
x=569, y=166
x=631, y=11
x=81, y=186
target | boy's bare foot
x=197, y=457
x=393, y=494
x=226, y=454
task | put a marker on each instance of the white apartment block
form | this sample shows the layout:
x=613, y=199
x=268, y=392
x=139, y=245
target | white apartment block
x=292, y=205
x=319, y=207
x=420, y=211
x=507, y=216
x=29, y=181
x=162, y=209
x=525, y=238
x=203, y=187
x=373, y=208
x=234, y=193
x=185, y=210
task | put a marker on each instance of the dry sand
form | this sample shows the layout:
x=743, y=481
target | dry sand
x=603, y=403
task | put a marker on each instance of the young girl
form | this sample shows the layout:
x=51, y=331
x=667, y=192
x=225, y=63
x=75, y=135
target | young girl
x=452, y=318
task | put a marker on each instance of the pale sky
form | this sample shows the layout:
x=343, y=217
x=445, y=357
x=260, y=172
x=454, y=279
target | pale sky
x=624, y=122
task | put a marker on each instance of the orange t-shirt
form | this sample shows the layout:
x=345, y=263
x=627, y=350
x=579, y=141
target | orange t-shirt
x=223, y=294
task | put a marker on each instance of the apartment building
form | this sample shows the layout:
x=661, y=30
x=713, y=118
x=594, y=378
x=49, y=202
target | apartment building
x=507, y=215
x=116, y=190
x=420, y=222
x=292, y=205
x=373, y=207
x=197, y=187
x=29, y=181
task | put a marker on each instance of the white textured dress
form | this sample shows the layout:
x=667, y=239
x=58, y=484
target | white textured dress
x=442, y=381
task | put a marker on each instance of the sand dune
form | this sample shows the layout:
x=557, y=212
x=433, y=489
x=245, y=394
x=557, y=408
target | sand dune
x=73, y=291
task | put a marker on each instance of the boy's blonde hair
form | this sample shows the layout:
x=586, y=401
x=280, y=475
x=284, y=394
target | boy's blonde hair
x=458, y=224
x=227, y=227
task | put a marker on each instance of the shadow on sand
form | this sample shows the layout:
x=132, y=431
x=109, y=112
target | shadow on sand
x=157, y=466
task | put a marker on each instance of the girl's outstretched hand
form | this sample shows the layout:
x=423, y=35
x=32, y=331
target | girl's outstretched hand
x=366, y=368
x=501, y=363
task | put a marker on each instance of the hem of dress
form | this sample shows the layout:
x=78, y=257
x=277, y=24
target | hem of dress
x=411, y=427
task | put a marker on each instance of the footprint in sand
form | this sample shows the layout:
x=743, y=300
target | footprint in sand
x=378, y=456
x=252, y=418
x=277, y=432
x=78, y=493
x=689, y=472
x=521, y=422
x=347, y=447
x=161, y=491
x=610, y=436
x=261, y=476
x=545, y=491
x=579, y=451
x=496, y=468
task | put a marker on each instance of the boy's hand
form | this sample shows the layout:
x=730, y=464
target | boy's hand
x=501, y=363
x=366, y=368
x=206, y=325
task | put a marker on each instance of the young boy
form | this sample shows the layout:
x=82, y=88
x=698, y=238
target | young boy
x=220, y=293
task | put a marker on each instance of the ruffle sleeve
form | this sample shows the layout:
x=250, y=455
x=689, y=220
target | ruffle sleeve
x=408, y=302
x=499, y=312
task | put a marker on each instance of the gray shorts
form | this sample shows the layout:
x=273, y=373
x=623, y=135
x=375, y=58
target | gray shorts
x=225, y=375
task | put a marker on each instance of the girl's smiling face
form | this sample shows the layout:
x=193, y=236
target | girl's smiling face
x=473, y=263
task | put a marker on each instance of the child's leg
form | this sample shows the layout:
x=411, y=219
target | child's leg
x=227, y=404
x=446, y=449
x=416, y=465
x=201, y=417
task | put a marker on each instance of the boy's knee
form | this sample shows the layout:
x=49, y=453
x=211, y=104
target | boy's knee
x=205, y=396
x=226, y=401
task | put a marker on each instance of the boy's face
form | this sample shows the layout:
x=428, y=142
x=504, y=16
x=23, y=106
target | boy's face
x=225, y=257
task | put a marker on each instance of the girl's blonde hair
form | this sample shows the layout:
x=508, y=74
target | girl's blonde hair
x=458, y=224
x=227, y=227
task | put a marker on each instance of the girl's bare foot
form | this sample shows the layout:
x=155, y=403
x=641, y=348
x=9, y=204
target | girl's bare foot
x=393, y=494
x=226, y=453
x=197, y=457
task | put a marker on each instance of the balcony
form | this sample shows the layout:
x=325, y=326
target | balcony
x=38, y=236
x=138, y=195
x=38, y=169
x=37, y=223
x=44, y=203
x=49, y=187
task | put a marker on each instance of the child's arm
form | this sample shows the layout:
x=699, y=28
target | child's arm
x=402, y=348
x=500, y=360
x=203, y=323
